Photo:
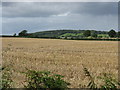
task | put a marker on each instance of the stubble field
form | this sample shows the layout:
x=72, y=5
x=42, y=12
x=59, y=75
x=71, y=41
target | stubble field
x=65, y=57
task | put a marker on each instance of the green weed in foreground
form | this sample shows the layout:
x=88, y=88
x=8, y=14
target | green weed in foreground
x=6, y=81
x=108, y=81
x=45, y=79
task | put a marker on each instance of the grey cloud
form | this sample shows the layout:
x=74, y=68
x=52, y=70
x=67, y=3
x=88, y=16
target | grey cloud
x=43, y=9
x=15, y=25
x=7, y=4
x=98, y=8
x=61, y=1
x=22, y=9
x=39, y=16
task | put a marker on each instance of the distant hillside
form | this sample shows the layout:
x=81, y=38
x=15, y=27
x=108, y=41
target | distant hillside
x=71, y=35
x=58, y=33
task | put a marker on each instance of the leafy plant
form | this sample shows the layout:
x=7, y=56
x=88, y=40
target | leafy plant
x=109, y=81
x=45, y=79
x=6, y=81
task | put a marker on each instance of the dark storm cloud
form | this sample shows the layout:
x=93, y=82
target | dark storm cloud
x=40, y=16
x=7, y=4
x=97, y=8
x=42, y=9
x=22, y=9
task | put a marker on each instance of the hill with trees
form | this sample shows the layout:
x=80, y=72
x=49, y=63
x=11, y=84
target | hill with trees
x=70, y=34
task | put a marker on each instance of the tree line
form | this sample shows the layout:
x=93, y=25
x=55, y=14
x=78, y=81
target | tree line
x=112, y=33
x=56, y=34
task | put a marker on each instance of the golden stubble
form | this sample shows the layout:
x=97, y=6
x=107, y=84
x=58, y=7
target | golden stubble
x=64, y=57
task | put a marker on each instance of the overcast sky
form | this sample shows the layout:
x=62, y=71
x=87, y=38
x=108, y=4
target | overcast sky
x=40, y=16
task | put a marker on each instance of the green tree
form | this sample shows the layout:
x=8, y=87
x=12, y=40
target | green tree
x=118, y=34
x=94, y=34
x=23, y=33
x=87, y=33
x=14, y=34
x=112, y=33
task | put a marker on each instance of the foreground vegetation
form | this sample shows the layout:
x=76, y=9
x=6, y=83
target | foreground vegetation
x=47, y=80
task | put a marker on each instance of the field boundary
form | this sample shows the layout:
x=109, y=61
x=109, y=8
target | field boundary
x=117, y=39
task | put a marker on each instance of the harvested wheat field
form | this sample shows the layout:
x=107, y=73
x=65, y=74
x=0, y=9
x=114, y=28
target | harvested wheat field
x=64, y=57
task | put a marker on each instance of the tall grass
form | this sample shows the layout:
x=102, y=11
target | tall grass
x=108, y=81
x=91, y=83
